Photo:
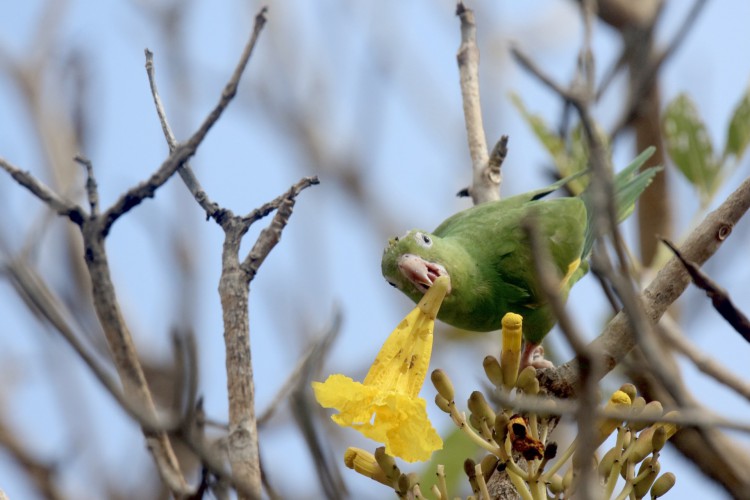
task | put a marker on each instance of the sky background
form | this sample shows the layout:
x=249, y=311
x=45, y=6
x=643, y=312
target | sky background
x=376, y=86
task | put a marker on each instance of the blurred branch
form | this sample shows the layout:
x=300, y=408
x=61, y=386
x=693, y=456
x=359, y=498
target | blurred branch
x=719, y=297
x=617, y=339
x=95, y=228
x=486, y=178
x=41, y=475
x=711, y=367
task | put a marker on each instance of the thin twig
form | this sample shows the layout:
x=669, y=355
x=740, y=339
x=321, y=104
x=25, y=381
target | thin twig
x=185, y=151
x=92, y=190
x=719, y=297
x=63, y=207
x=186, y=172
x=711, y=367
x=648, y=76
x=271, y=235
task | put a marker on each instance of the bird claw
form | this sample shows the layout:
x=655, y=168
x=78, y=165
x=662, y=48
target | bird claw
x=533, y=355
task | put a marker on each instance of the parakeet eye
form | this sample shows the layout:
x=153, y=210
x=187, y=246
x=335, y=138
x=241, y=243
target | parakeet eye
x=423, y=240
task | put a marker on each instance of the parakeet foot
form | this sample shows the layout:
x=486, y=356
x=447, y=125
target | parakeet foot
x=533, y=355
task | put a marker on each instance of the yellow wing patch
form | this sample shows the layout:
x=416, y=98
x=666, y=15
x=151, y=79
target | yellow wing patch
x=572, y=267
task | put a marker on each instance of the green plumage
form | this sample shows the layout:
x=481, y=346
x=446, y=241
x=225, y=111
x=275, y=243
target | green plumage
x=486, y=254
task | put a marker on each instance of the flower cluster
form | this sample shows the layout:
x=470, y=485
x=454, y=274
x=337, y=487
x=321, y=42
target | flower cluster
x=386, y=408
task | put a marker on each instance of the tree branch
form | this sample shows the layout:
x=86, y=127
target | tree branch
x=485, y=182
x=617, y=339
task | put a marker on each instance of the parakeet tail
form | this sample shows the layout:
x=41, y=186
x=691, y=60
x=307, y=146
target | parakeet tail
x=628, y=186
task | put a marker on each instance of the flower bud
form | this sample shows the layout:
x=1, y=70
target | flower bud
x=364, y=463
x=641, y=487
x=488, y=464
x=556, y=484
x=478, y=406
x=443, y=403
x=618, y=400
x=663, y=485
x=510, y=357
x=527, y=381
x=659, y=439
x=644, y=444
x=387, y=464
x=652, y=411
x=630, y=390
x=493, y=370
x=442, y=384
x=608, y=461
x=501, y=427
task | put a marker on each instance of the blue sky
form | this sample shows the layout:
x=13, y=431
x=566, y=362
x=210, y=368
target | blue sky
x=379, y=84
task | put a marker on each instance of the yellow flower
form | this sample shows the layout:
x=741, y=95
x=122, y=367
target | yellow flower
x=386, y=407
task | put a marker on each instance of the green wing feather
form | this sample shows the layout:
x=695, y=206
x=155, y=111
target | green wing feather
x=629, y=184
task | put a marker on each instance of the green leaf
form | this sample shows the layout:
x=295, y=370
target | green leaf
x=550, y=140
x=738, y=135
x=456, y=449
x=689, y=146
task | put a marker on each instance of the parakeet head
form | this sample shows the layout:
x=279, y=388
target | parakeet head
x=412, y=262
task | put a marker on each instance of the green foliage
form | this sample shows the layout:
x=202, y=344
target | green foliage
x=738, y=134
x=689, y=146
x=456, y=447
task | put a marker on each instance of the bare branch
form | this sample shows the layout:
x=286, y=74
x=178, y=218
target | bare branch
x=45, y=194
x=186, y=171
x=485, y=183
x=711, y=367
x=183, y=152
x=719, y=297
x=91, y=188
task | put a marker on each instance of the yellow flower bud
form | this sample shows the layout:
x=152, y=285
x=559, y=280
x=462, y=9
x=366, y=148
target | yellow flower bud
x=659, y=439
x=493, y=370
x=510, y=357
x=364, y=463
x=644, y=444
x=556, y=484
x=618, y=400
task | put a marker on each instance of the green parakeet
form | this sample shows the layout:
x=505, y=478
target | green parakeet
x=486, y=254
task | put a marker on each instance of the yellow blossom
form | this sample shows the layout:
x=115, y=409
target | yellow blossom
x=385, y=406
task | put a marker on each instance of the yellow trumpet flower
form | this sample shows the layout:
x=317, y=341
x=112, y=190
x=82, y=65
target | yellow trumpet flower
x=385, y=406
